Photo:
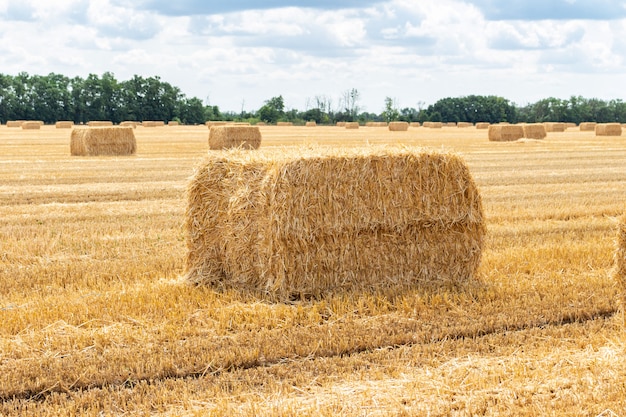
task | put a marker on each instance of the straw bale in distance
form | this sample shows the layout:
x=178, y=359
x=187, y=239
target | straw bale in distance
x=153, y=123
x=435, y=125
x=341, y=124
x=260, y=124
x=482, y=125
x=173, y=123
x=31, y=125
x=464, y=124
x=619, y=271
x=64, y=124
x=608, y=129
x=352, y=125
x=554, y=127
x=209, y=124
x=415, y=124
x=398, y=126
x=535, y=131
x=311, y=123
x=587, y=127
x=505, y=132
x=129, y=123
x=317, y=220
x=14, y=123
x=103, y=140
x=224, y=137
x=99, y=123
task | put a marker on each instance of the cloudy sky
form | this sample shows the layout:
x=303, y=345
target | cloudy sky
x=239, y=53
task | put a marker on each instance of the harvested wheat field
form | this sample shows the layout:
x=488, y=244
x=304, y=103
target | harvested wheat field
x=96, y=318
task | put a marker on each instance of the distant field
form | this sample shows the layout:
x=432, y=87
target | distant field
x=95, y=321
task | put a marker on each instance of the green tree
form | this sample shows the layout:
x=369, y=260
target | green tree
x=391, y=112
x=272, y=110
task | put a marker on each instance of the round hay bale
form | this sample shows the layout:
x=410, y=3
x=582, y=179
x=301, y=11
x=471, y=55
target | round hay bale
x=99, y=123
x=554, y=127
x=398, y=126
x=482, y=125
x=225, y=137
x=505, y=132
x=281, y=222
x=608, y=129
x=587, y=127
x=103, y=140
x=31, y=125
x=352, y=125
x=535, y=131
x=64, y=124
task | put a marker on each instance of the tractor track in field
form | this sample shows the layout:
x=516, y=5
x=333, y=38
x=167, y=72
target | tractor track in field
x=129, y=383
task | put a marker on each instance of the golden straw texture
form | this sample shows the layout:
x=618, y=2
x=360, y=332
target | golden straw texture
x=464, y=124
x=94, y=141
x=352, y=125
x=287, y=222
x=482, y=125
x=14, y=123
x=619, y=273
x=31, y=125
x=224, y=137
x=554, y=127
x=311, y=124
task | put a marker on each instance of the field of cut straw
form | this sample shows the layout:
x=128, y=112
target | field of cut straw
x=95, y=321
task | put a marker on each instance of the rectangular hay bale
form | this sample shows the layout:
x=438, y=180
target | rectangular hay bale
x=535, y=131
x=308, y=221
x=104, y=140
x=608, y=129
x=225, y=137
x=398, y=126
x=505, y=132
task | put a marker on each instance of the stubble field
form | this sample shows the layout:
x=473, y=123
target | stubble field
x=94, y=319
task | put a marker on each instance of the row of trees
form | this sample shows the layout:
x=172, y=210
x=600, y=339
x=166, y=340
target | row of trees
x=56, y=97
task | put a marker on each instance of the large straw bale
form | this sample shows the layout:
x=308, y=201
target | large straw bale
x=619, y=272
x=224, y=137
x=482, y=125
x=505, y=132
x=14, y=123
x=399, y=126
x=415, y=124
x=608, y=129
x=450, y=124
x=435, y=125
x=173, y=123
x=587, y=126
x=554, y=127
x=352, y=125
x=534, y=131
x=311, y=221
x=104, y=140
x=99, y=123
x=464, y=124
x=31, y=125
x=311, y=123
x=64, y=124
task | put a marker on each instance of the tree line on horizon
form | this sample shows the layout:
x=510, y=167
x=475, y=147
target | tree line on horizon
x=56, y=97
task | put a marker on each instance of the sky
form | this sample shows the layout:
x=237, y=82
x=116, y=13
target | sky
x=237, y=54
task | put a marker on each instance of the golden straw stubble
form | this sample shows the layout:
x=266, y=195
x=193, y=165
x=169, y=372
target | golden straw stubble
x=312, y=221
